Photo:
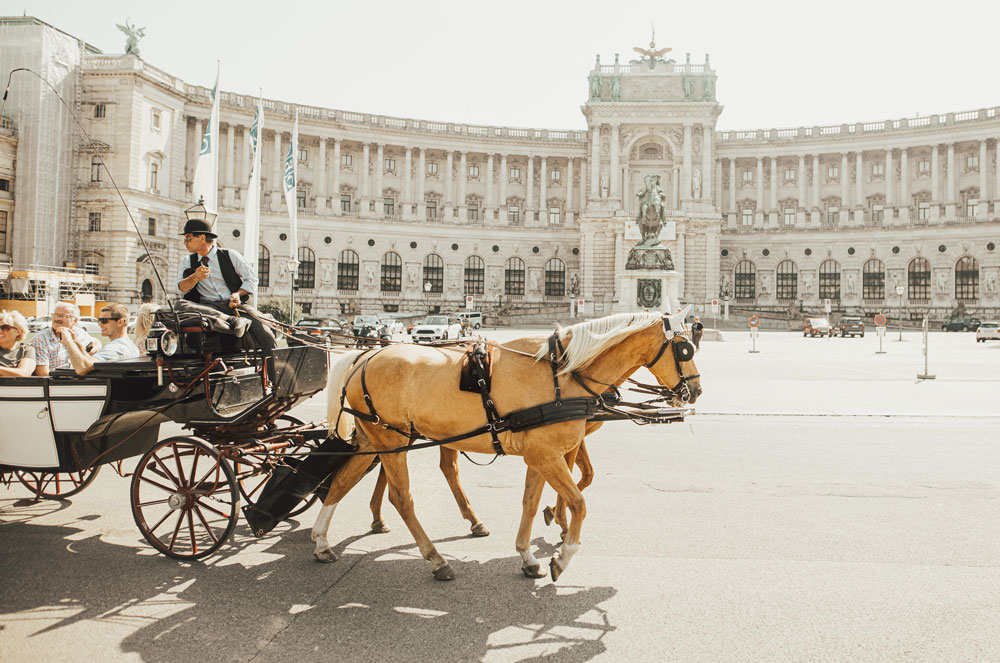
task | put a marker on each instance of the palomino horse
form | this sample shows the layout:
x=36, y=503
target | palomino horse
x=412, y=391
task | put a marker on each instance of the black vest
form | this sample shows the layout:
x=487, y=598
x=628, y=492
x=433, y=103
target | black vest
x=229, y=275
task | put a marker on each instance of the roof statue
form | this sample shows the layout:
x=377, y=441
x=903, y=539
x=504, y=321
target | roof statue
x=651, y=55
x=134, y=34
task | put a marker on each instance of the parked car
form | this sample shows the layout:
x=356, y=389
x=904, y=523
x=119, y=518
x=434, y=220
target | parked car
x=318, y=330
x=961, y=324
x=988, y=331
x=474, y=318
x=816, y=327
x=39, y=323
x=850, y=327
x=437, y=328
x=90, y=325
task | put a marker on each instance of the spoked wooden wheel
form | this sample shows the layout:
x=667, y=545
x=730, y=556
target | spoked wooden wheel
x=184, y=498
x=57, y=485
x=251, y=486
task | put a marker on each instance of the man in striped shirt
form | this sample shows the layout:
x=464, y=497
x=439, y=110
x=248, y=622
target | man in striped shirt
x=50, y=353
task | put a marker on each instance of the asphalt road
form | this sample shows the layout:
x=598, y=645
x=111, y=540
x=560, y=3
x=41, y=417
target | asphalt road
x=823, y=505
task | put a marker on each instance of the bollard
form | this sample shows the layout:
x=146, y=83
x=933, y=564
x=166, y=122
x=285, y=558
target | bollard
x=926, y=375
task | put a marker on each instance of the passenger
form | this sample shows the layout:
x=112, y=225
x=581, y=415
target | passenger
x=50, y=354
x=17, y=360
x=114, y=323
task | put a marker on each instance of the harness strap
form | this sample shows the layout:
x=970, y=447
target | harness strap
x=555, y=348
x=492, y=415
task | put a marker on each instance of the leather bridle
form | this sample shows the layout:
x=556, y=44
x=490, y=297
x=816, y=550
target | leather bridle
x=683, y=351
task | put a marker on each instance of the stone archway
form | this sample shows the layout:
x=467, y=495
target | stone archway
x=651, y=153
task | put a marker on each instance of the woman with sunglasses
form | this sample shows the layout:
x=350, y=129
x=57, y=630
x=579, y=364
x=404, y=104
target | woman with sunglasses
x=17, y=360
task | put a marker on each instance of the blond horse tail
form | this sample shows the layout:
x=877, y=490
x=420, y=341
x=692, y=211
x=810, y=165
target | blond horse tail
x=338, y=421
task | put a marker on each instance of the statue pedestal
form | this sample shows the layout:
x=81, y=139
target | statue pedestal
x=648, y=289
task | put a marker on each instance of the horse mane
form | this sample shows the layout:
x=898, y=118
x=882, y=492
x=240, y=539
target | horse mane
x=589, y=339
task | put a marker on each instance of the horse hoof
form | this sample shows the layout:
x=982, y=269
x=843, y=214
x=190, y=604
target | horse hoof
x=325, y=556
x=532, y=571
x=548, y=515
x=479, y=529
x=554, y=569
x=378, y=527
x=444, y=573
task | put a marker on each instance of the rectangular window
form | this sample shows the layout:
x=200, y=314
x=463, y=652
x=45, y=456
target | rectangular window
x=924, y=211
x=789, y=216
x=554, y=216
x=390, y=165
x=389, y=206
x=972, y=208
x=94, y=222
x=154, y=176
x=300, y=199
x=95, y=169
x=155, y=121
x=832, y=215
x=345, y=203
x=878, y=213
x=473, y=212
x=515, y=173
x=747, y=176
x=473, y=171
x=346, y=160
x=4, y=184
x=514, y=215
x=878, y=170
x=432, y=209
x=303, y=154
x=746, y=216
x=151, y=225
x=100, y=110
x=348, y=275
x=923, y=167
x=3, y=231
x=789, y=174
x=432, y=168
x=833, y=172
x=972, y=162
x=556, y=175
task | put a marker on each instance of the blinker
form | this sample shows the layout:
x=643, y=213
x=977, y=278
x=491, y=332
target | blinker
x=683, y=351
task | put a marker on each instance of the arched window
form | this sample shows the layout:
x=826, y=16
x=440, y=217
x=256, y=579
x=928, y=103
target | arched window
x=348, y=269
x=392, y=272
x=787, y=276
x=745, y=280
x=146, y=290
x=263, y=267
x=555, y=278
x=829, y=280
x=967, y=278
x=513, y=277
x=305, y=278
x=475, y=275
x=918, y=279
x=873, y=280
x=433, y=273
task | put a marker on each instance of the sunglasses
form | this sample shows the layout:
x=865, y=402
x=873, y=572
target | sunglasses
x=5, y=328
x=105, y=321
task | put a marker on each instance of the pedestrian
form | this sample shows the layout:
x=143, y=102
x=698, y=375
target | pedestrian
x=697, y=329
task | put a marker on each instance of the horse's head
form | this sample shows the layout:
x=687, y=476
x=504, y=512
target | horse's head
x=673, y=365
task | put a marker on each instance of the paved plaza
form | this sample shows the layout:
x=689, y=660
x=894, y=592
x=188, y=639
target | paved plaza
x=822, y=505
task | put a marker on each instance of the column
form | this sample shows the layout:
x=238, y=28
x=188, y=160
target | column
x=904, y=178
x=490, y=198
x=244, y=175
x=463, y=177
x=379, y=173
x=421, y=181
x=335, y=185
x=365, y=175
x=569, y=187
x=675, y=189
x=984, y=193
x=890, y=183
x=686, y=168
x=759, y=209
x=732, y=186
x=815, y=193
x=718, y=178
x=543, y=191
x=529, y=197
x=949, y=194
x=583, y=185
x=996, y=184
x=935, y=175
x=321, y=206
x=595, y=162
x=801, y=175
x=706, y=162
x=276, y=178
x=859, y=192
x=504, y=176
x=616, y=171
x=772, y=203
x=406, y=207
x=845, y=184
x=231, y=155
x=448, y=201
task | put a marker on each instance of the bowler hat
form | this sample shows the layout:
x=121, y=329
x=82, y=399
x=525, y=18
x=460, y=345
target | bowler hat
x=199, y=227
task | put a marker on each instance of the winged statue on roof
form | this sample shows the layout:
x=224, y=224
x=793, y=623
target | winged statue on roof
x=651, y=55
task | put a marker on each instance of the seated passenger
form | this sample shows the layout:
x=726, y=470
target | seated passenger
x=114, y=323
x=17, y=360
x=50, y=354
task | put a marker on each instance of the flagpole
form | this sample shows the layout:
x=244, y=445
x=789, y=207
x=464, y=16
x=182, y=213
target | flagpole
x=291, y=201
x=251, y=241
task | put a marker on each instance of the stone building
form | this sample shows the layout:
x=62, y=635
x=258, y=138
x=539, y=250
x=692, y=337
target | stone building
x=407, y=214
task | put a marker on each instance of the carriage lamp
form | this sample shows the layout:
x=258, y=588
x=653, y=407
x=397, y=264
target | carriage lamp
x=198, y=212
x=162, y=341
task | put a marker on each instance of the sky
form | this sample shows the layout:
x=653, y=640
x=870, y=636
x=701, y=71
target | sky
x=525, y=64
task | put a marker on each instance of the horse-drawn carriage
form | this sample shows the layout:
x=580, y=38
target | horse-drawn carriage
x=185, y=492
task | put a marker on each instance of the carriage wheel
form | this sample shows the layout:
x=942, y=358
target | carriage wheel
x=57, y=485
x=251, y=486
x=184, y=496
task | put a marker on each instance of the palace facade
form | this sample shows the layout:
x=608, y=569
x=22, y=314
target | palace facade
x=899, y=216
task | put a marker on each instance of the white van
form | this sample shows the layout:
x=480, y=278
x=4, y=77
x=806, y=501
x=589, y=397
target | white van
x=474, y=318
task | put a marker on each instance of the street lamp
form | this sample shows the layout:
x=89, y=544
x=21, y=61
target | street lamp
x=899, y=291
x=293, y=267
x=198, y=212
x=427, y=291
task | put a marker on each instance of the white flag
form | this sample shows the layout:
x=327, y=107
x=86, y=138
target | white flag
x=206, y=173
x=251, y=226
x=291, y=178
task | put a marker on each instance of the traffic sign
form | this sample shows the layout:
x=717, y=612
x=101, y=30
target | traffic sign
x=468, y=302
x=715, y=307
x=754, y=322
x=826, y=305
x=880, y=320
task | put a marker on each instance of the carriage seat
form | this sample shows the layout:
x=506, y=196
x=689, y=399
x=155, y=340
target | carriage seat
x=184, y=321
